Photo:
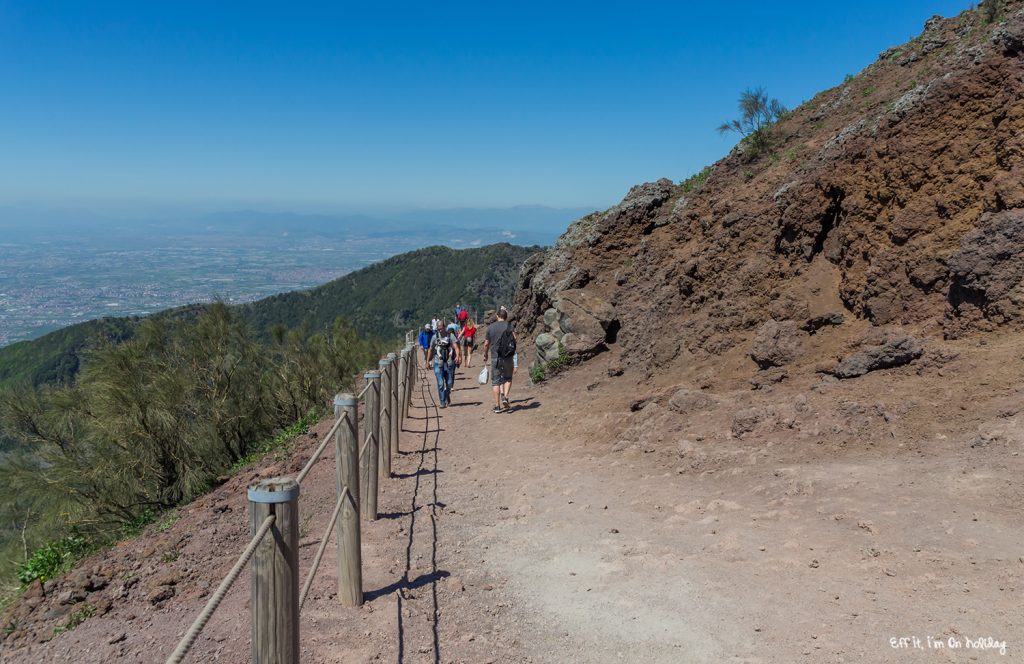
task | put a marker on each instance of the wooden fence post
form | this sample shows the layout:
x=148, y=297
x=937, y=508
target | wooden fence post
x=410, y=377
x=346, y=450
x=394, y=404
x=385, y=417
x=413, y=376
x=403, y=389
x=274, y=597
x=369, y=458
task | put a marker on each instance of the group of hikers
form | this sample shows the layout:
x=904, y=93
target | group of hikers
x=448, y=345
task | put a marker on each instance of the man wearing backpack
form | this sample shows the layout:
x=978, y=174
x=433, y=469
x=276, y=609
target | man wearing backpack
x=444, y=352
x=500, y=346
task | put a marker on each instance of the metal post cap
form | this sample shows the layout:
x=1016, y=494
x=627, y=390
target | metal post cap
x=344, y=400
x=392, y=356
x=371, y=375
x=274, y=490
x=385, y=362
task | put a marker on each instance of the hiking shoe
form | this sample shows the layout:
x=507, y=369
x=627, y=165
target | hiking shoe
x=505, y=403
x=498, y=409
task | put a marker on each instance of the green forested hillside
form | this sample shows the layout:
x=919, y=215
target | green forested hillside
x=55, y=357
x=387, y=298
x=108, y=423
x=151, y=422
x=381, y=300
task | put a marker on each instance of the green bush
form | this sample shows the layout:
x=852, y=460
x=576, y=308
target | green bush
x=992, y=10
x=53, y=559
x=151, y=423
x=543, y=371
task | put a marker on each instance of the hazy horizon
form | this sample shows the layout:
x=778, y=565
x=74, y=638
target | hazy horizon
x=59, y=270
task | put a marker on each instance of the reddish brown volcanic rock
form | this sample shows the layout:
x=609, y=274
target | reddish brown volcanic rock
x=893, y=198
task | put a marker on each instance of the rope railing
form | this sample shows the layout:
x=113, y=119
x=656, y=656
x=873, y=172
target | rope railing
x=218, y=596
x=319, y=450
x=366, y=444
x=320, y=549
x=277, y=600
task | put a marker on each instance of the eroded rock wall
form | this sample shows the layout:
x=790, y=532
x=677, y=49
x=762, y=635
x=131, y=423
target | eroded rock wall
x=893, y=199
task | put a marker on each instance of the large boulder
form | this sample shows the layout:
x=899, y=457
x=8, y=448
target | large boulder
x=686, y=401
x=880, y=349
x=637, y=209
x=747, y=420
x=987, y=273
x=547, y=347
x=586, y=322
x=551, y=322
x=777, y=343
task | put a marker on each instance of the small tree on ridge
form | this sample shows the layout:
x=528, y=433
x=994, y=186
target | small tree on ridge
x=759, y=113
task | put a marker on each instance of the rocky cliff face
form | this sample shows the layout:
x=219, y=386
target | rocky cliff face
x=896, y=200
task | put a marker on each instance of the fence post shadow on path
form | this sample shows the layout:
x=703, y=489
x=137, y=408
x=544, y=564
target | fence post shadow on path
x=276, y=599
x=427, y=467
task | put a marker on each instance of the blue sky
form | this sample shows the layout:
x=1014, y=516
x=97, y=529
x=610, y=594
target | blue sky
x=320, y=106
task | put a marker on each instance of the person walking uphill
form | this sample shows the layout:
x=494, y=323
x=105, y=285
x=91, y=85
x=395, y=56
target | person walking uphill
x=500, y=346
x=444, y=353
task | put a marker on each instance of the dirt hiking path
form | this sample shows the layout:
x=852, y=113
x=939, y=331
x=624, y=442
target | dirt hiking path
x=541, y=548
x=523, y=537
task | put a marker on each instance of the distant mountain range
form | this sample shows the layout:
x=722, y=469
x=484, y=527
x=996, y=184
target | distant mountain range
x=456, y=227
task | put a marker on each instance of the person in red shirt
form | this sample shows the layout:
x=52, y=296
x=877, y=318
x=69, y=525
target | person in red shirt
x=467, y=337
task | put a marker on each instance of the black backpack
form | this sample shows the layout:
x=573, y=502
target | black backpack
x=506, y=344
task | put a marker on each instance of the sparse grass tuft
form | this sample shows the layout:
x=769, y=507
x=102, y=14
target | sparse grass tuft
x=696, y=180
x=304, y=527
x=168, y=521
x=85, y=612
x=280, y=443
